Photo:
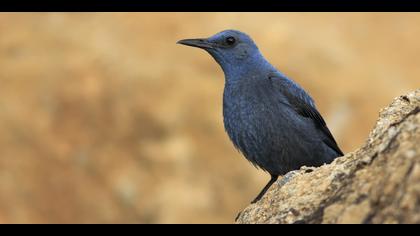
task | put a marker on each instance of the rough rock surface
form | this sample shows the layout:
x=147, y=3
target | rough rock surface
x=378, y=183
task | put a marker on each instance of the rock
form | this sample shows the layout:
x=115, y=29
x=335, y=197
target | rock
x=378, y=183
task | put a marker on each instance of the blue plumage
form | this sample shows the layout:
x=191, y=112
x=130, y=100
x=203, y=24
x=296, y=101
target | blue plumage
x=268, y=117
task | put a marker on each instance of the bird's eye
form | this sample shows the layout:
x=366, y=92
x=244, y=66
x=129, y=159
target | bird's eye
x=230, y=40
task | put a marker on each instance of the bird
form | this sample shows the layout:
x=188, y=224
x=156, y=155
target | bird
x=268, y=117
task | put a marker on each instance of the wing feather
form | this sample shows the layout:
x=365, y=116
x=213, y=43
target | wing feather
x=304, y=105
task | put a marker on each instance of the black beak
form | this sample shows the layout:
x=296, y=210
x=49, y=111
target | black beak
x=198, y=43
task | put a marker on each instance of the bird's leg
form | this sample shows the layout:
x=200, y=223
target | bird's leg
x=261, y=194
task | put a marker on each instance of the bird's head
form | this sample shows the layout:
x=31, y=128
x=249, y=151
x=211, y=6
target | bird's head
x=230, y=48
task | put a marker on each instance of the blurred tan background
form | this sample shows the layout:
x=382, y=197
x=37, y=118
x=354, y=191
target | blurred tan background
x=104, y=119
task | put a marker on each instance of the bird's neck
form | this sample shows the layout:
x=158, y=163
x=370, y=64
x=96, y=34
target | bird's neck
x=248, y=68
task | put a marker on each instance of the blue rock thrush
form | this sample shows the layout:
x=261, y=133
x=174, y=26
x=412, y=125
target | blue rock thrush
x=268, y=117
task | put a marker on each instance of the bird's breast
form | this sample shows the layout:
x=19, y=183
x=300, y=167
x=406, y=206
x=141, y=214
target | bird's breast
x=249, y=115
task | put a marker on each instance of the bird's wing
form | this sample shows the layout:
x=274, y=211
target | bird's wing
x=304, y=105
